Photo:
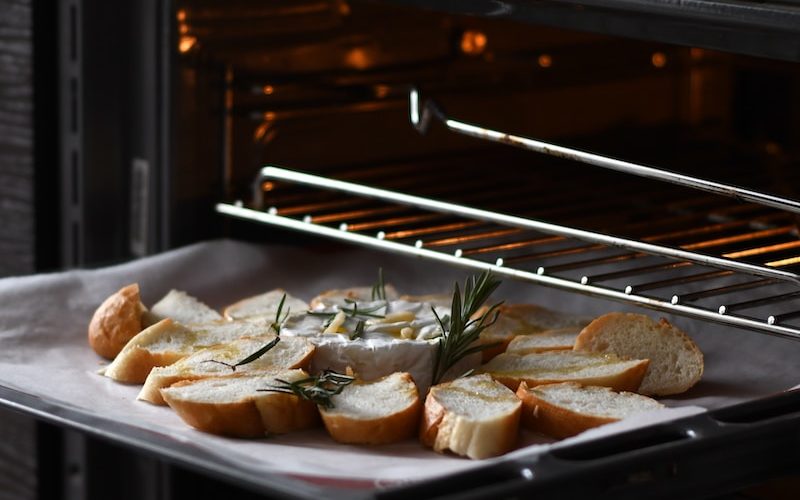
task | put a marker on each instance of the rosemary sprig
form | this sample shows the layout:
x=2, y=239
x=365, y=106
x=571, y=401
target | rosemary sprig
x=379, y=288
x=461, y=330
x=275, y=325
x=318, y=389
x=352, y=312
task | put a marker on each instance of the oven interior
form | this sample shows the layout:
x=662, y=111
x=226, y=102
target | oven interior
x=213, y=92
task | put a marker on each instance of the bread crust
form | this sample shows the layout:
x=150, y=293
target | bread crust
x=239, y=419
x=539, y=415
x=444, y=430
x=386, y=429
x=116, y=321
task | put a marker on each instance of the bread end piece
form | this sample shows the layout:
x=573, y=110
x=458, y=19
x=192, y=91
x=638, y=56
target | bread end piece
x=382, y=411
x=676, y=362
x=116, y=321
x=473, y=416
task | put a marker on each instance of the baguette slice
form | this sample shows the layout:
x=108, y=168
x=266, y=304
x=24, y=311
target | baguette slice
x=235, y=406
x=566, y=409
x=676, y=363
x=264, y=306
x=524, y=319
x=382, y=411
x=183, y=308
x=289, y=352
x=473, y=416
x=560, y=339
x=168, y=341
x=567, y=366
x=116, y=321
x=339, y=296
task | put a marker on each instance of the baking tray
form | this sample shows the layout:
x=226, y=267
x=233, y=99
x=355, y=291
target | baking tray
x=47, y=370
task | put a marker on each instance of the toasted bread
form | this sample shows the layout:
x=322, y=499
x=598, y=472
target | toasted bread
x=382, y=411
x=566, y=409
x=560, y=339
x=238, y=406
x=183, y=308
x=289, y=352
x=524, y=319
x=472, y=416
x=264, y=306
x=567, y=366
x=676, y=363
x=168, y=341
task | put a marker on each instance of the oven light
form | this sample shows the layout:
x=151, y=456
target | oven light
x=181, y=15
x=658, y=59
x=186, y=44
x=544, y=61
x=267, y=186
x=473, y=42
x=268, y=89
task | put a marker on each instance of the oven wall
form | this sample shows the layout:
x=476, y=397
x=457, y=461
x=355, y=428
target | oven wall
x=17, y=433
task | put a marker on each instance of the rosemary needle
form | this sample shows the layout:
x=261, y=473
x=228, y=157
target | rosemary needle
x=318, y=389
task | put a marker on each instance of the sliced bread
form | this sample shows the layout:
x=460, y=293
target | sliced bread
x=472, y=416
x=524, y=319
x=566, y=409
x=586, y=368
x=168, y=341
x=116, y=321
x=560, y=339
x=340, y=296
x=183, y=308
x=676, y=363
x=264, y=306
x=289, y=352
x=382, y=411
x=238, y=406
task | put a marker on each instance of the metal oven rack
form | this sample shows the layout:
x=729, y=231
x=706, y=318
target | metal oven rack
x=739, y=244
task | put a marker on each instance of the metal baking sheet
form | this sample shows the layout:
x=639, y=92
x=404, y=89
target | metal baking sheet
x=47, y=368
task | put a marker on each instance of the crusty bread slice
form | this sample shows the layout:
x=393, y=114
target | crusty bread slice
x=566, y=409
x=338, y=296
x=382, y=411
x=289, y=352
x=676, y=363
x=472, y=416
x=524, y=319
x=264, y=306
x=183, y=308
x=567, y=366
x=235, y=406
x=560, y=339
x=116, y=321
x=168, y=341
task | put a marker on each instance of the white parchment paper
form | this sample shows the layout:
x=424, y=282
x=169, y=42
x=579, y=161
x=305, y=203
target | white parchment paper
x=44, y=351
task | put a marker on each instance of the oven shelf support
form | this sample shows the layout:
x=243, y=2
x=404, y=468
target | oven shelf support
x=421, y=115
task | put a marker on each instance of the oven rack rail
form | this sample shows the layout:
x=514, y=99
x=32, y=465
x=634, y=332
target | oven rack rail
x=721, y=277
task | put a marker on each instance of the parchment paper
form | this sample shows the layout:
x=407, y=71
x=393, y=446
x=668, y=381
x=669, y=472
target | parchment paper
x=44, y=351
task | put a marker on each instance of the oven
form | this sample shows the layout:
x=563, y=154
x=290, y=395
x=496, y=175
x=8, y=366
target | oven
x=639, y=152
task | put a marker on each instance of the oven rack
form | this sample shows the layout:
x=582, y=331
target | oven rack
x=675, y=278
